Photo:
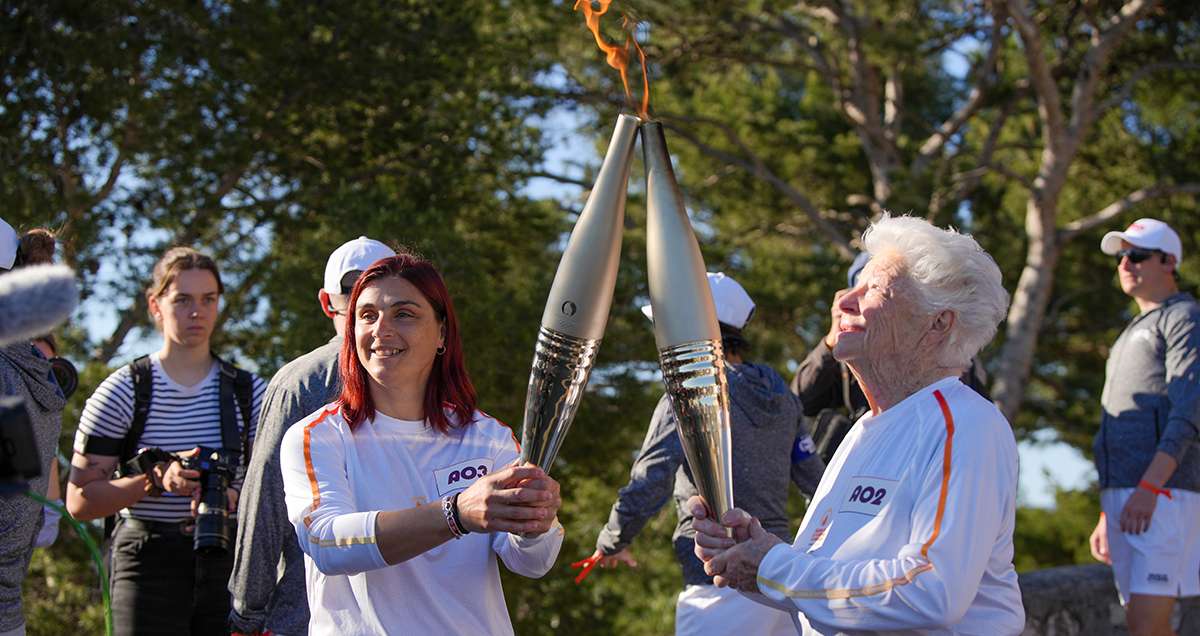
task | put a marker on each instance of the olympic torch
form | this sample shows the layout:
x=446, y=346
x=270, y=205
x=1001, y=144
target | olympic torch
x=577, y=308
x=685, y=328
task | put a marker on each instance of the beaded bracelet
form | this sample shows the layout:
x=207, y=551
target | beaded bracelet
x=448, y=513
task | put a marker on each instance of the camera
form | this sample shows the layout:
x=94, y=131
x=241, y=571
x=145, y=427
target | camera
x=218, y=468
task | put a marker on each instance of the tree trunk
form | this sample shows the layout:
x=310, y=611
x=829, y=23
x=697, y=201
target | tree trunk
x=1028, y=308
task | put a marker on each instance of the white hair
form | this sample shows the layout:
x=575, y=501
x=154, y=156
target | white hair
x=951, y=272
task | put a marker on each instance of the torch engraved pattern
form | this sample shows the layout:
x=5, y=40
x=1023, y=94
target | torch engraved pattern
x=685, y=328
x=694, y=373
x=561, y=365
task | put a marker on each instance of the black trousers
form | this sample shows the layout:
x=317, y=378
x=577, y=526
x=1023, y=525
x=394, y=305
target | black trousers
x=160, y=586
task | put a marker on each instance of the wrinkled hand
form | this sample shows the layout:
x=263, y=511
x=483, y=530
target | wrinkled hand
x=518, y=499
x=732, y=561
x=1135, y=516
x=836, y=315
x=176, y=479
x=711, y=537
x=616, y=559
x=737, y=567
x=1099, y=542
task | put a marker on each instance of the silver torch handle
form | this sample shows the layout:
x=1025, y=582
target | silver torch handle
x=685, y=328
x=577, y=308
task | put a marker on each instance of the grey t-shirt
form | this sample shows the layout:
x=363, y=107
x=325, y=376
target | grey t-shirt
x=770, y=447
x=267, y=583
x=1151, y=398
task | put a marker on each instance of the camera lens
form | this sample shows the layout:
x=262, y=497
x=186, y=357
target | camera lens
x=214, y=532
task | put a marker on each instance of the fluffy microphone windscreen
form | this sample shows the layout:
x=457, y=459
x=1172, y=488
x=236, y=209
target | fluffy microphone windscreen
x=34, y=300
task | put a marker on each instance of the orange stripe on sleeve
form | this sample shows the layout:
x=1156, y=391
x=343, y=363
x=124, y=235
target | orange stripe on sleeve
x=845, y=593
x=907, y=577
x=308, y=463
x=946, y=456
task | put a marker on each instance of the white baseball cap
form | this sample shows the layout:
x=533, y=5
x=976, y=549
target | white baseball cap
x=1150, y=234
x=351, y=256
x=8, y=245
x=734, y=305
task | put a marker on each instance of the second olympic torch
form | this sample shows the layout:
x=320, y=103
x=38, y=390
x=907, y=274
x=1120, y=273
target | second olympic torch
x=577, y=309
x=685, y=328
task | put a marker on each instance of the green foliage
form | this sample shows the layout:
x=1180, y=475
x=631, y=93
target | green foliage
x=1047, y=537
x=62, y=591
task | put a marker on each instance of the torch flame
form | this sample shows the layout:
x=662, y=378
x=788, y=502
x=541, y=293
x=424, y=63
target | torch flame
x=617, y=56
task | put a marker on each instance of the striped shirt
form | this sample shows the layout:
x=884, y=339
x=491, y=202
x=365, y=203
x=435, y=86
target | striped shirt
x=180, y=418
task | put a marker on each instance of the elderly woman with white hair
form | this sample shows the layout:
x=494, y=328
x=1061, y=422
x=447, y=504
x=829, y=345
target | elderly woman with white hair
x=910, y=530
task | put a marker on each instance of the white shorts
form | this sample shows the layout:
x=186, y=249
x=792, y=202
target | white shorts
x=708, y=610
x=1165, y=559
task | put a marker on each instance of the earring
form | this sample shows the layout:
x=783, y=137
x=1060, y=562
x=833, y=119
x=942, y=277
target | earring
x=441, y=349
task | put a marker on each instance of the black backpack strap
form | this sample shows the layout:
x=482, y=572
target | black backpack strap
x=143, y=394
x=236, y=388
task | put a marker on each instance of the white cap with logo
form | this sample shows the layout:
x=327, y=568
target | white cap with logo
x=356, y=255
x=8, y=245
x=734, y=305
x=1150, y=234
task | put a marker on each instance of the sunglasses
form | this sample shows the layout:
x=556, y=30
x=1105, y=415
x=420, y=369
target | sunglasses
x=1136, y=254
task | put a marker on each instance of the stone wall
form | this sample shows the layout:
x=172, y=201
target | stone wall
x=1082, y=600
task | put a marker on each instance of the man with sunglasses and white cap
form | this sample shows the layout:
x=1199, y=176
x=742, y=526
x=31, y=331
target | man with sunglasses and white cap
x=1146, y=451
x=771, y=447
x=268, y=573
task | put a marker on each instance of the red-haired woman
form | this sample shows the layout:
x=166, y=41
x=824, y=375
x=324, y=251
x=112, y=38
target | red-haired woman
x=402, y=493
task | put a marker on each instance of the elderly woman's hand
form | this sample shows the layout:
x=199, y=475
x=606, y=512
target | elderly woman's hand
x=518, y=499
x=732, y=561
x=711, y=538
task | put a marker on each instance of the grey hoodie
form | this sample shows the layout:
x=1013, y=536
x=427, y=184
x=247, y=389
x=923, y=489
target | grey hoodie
x=26, y=374
x=770, y=447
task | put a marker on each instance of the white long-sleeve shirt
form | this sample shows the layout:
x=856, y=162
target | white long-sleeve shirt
x=337, y=481
x=910, y=530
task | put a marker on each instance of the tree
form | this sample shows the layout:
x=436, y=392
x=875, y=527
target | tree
x=828, y=113
x=1064, y=133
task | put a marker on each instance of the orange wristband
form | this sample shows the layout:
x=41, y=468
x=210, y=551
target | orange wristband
x=1145, y=485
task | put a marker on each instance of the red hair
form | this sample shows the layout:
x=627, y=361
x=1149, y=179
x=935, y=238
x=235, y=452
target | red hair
x=449, y=388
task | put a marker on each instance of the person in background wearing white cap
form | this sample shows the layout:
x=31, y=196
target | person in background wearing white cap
x=770, y=447
x=263, y=599
x=1146, y=450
